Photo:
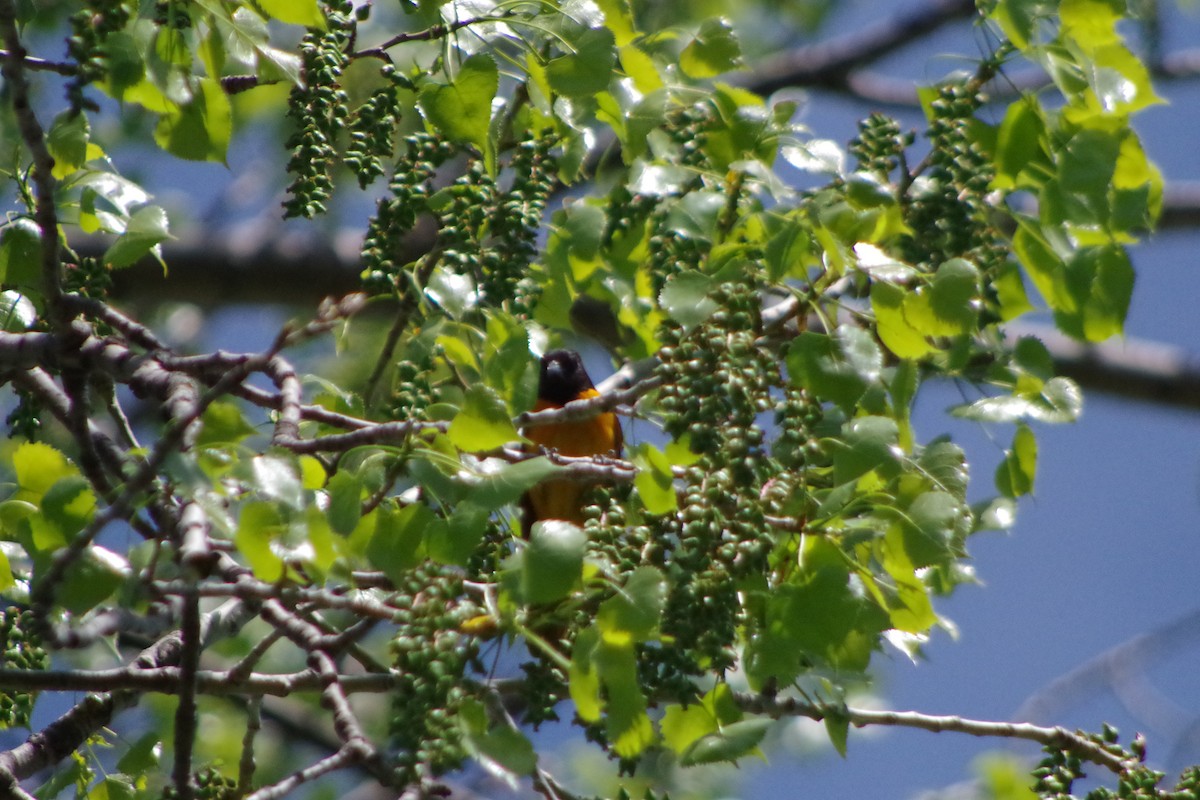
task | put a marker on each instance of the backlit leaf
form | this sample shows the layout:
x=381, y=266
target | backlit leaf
x=588, y=70
x=552, y=562
x=714, y=51
x=462, y=109
x=199, y=130
x=297, y=12
x=483, y=423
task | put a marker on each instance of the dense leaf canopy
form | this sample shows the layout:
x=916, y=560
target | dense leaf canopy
x=524, y=176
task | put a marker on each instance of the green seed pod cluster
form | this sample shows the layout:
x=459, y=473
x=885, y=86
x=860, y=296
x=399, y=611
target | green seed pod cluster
x=686, y=127
x=516, y=221
x=209, y=785
x=22, y=650
x=1056, y=773
x=413, y=392
x=949, y=216
x=320, y=109
x=431, y=658
x=796, y=415
x=716, y=380
x=90, y=278
x=544, y=687
x=395, y=215
x=464, y=210
x=672, y=252
x=373, y=128
x=879, y=145
x=1188, y=785
x=90, y=28
x=716, y=384
x=484, y=562
x=626, y=213
x=1140, y=784
x=670, y=671
x=611, y=537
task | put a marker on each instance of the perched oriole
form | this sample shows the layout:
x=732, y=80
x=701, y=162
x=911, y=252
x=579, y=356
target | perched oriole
x=563, y=379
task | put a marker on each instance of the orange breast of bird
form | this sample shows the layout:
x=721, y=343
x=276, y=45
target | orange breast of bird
x=560, y=499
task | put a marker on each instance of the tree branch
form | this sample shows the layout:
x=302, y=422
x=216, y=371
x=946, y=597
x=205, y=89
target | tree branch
x=1058, y=737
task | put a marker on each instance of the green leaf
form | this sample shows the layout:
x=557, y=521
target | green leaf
x=1091, y=23
x=143, y=755
x=1101, y=279
x=397, y=544
x=199, y=130
x=584, y=676
x=895, y=331
x=1121, y=80
x=21, y=254
x=868, y=443
x=946, y=465
x=296, y=12
x=7, y=581
x=633, y=614
x=820, y=364
x=500, y=748
x=715, y=50
x=69, y=505
x=344, y=511
x=1016, y=473
x=278, y=478
x=91, y=580
x=618, y=18
x=837, y=728
x=931, y=521
x=223, y=423
x=464, y=531
x=682, y=726
x=67, y=141
x=454, y=292
x=123, y=62
x=113, y=787
x=695, y=214
x=948, y=306
x=1018, y=19
x=628, y=727
x=462, y=110
x=843, y=635
x=1021, y=157
x=14, y=514
x=70, y=773
x=505, y=484
x=145, y=230
x=729, y=744
x=259, y=524
x=655, y=482
x=685, y=298
x=589, y=69
x=38, y=467
x=552, y=563
x=483, y=423
x=1004, y=776
x=997, y=514
x=1010, y=292
x=1058, y=401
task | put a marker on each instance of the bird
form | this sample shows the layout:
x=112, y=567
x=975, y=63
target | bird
x=562, y=378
